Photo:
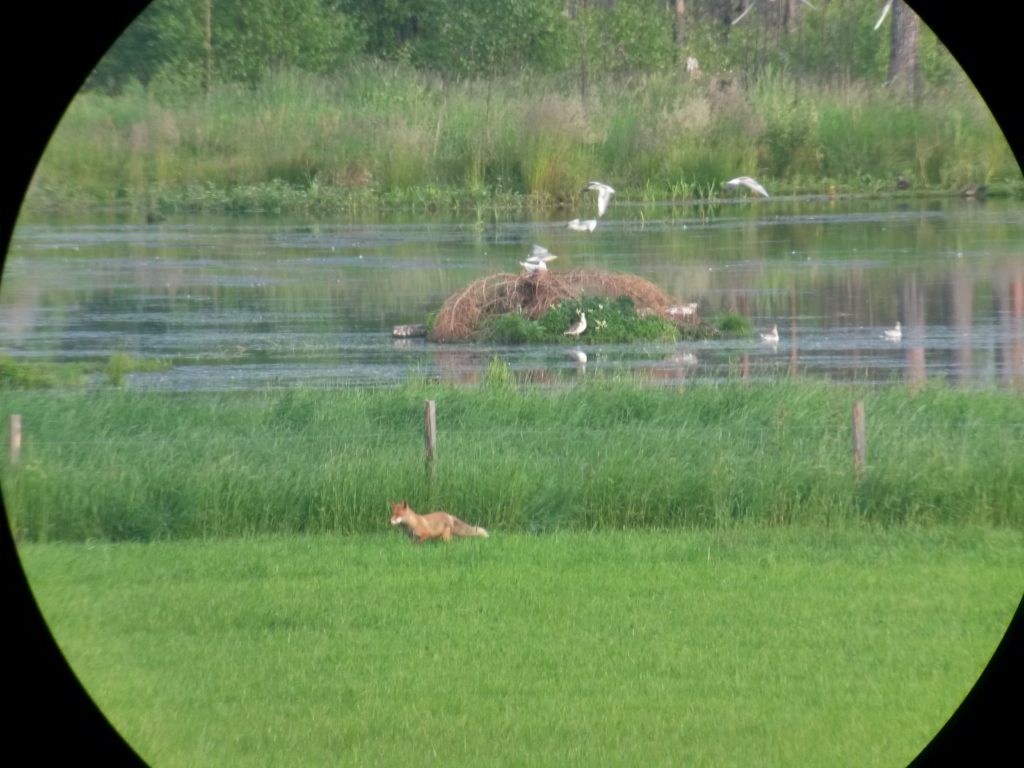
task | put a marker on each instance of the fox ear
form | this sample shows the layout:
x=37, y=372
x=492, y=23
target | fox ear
x=405, y=503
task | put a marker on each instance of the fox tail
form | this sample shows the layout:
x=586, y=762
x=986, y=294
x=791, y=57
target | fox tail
x=465, y=529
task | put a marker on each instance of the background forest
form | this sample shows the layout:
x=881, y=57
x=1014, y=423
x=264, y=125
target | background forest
x=342, y=104
x=195, y=43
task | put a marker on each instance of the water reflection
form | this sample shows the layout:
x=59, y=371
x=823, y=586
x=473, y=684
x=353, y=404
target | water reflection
x=248, y=302
x=1010, y=304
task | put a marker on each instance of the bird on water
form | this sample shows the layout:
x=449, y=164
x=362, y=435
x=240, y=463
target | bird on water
x=585, y=225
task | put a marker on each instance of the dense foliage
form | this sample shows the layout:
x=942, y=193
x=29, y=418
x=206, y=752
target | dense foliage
x=194, y=43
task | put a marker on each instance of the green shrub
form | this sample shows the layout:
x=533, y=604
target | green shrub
x=734, y=325
x=120, y=363
x=609, y=321
x=513, y=329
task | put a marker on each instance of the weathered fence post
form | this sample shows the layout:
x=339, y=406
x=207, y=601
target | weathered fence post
x=859, y=446
x=14, y=438
x=430, y=435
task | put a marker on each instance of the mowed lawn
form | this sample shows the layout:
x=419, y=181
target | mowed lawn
x=744, y=646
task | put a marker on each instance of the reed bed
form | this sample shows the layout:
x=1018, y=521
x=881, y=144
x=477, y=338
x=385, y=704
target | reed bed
x=386, y=135
x=604, y=455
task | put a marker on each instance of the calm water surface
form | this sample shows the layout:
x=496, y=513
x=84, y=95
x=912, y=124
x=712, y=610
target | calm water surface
x=261, y=301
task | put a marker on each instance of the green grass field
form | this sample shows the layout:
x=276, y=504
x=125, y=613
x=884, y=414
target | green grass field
x=748, y=646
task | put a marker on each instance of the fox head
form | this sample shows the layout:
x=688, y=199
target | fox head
x=398, y=511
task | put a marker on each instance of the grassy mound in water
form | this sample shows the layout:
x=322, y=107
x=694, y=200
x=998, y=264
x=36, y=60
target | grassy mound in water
x=517, y=309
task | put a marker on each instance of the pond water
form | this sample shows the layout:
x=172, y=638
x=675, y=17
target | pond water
x=267, y=301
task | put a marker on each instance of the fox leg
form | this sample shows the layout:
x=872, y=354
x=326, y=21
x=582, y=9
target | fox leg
x=446, y=535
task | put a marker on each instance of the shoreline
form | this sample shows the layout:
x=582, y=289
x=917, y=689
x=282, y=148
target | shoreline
x=278, y=199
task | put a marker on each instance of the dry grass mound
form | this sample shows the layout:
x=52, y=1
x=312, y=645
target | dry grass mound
x=464, y=313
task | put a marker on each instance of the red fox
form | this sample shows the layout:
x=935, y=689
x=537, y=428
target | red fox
x=436, y=525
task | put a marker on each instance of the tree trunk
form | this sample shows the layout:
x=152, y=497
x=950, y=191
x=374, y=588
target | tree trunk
x=208, y=46
x=903, y=70
x=680, y=28
x=789, y=22
x=582, y=6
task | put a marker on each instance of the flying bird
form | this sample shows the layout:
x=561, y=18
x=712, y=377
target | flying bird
x=772, y=337
x=893, y=334
x=537, y=262
x=749, y=183
x=604, y=194
x=586, y=225
x=578, y=327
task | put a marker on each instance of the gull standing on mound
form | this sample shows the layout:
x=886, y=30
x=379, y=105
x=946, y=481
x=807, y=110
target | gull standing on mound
x=578, y=327
x=683, y=310
x=893, y=334
x=587, y=225
x=604, y=194
x=749, y=183
x=772, y=337
x=538, y=260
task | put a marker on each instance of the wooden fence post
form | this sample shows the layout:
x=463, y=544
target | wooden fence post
x=430, y=435
x=14, y=438
x=859, y=445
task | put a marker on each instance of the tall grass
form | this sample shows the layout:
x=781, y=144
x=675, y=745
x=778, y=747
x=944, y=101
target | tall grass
x=122, y=465
x=387, y=135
